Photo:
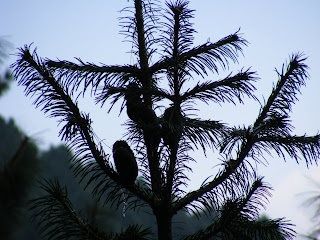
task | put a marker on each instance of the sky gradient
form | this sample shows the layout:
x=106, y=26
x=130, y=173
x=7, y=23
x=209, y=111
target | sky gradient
x=90, y=30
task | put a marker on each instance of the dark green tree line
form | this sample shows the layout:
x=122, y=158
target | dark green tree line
x=22, y=164
x=18, y=161
x=5, y=75
x=313, y=201
x=171, y=73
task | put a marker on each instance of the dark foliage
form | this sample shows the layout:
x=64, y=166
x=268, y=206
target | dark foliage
x=5, y=75
x=54, y=206
x=19, y=164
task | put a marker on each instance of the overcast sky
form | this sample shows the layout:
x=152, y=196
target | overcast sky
x=90, y=30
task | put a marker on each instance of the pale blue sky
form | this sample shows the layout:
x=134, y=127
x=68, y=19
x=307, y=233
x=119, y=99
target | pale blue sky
x=89, y=30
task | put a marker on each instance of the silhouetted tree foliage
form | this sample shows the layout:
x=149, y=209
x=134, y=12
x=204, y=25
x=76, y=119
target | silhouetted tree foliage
x=5, y=75
x=313, y=201
x=168, y=68
x=19, y=164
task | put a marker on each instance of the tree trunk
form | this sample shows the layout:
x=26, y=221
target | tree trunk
x=164, y=222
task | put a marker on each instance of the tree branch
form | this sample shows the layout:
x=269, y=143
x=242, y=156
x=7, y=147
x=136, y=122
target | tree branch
x=227, y=47
x=70, y=109
x=141, y=37
x=90, y=67
x=308, y=146
x=225, y=89
x=176, y=88
x=91, y=74
x=56, y=216
x=284, y=94
x=219, y=179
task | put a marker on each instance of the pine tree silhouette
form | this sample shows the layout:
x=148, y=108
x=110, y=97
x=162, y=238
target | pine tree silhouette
x=166, y=61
